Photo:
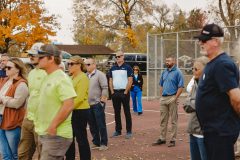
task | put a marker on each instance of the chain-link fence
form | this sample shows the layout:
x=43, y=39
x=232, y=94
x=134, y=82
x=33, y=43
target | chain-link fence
x=185, y=48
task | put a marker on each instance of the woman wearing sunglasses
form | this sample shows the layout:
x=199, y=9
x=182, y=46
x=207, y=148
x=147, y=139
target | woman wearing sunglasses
x=197, y=148
x=13, y=95
x=81, y=110
x=136, y=91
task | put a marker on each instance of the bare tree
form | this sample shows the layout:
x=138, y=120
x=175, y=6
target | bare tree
x=118, y=15
x=229, y=13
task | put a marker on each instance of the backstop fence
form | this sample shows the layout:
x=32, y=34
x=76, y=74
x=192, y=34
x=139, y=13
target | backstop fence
x=185, y=48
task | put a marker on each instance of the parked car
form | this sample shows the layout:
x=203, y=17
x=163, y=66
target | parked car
x=132, y=59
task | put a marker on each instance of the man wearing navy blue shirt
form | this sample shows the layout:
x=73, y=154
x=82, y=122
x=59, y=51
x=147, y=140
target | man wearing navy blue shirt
x=171, y=86
x=120, y=83
x=218, y=96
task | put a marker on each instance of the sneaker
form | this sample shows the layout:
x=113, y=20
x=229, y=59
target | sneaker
x=116, y=134
x=94, y=146
x=128, y=135
x=171, y=144
x=103, y=148
x=159, y=142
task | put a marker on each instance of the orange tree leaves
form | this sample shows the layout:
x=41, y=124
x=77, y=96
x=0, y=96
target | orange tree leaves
x=24, y=22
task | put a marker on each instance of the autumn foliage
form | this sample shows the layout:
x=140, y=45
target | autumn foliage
x=24, y=22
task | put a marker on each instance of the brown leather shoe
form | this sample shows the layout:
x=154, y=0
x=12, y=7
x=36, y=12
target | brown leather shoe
x=171, y=144
x=159, y=142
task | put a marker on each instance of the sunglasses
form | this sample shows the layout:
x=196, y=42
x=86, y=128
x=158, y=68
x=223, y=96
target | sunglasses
x=135, y=69
x=195, y=69
x=8, y=67
x=119, y=56
x=87, y=64
x=71, y=63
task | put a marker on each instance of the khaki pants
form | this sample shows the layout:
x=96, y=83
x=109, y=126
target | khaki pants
x=28, y=142
x=54, y=147
x=168, y=107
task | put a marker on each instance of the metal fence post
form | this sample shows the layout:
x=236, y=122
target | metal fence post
x=148, y=66
x=155, y=65
x=177, y=48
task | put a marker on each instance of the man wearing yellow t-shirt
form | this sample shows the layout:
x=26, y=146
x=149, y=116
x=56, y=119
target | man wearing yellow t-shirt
x=53, y=116
x=29, y=138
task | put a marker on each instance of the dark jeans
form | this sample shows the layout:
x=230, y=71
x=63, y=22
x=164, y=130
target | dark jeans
x=117, y=98
x=97, y=124
x=220, y=147
x=79, y=125
x=197, y=148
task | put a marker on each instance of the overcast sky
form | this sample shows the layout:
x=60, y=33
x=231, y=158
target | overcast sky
x=63, y=8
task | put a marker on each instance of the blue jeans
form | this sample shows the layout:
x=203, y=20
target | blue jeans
x=197, y=148
x=9, y=140
x=136, y=95
x=97, y=124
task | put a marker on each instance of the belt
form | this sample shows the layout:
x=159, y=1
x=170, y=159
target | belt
x=168, y=95
x=119, y=90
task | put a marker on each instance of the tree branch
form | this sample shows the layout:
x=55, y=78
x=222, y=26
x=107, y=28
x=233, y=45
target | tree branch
x=222, y=13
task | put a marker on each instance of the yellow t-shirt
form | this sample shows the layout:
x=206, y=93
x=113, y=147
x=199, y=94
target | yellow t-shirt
x=35, y=78
x=56, y=88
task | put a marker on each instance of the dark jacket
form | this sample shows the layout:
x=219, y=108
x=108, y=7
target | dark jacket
x=2, y=73
x=137, y=82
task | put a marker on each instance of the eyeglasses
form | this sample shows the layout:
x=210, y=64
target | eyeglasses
x=135, y=69
x=88, y=64
x=71, y=63
x=195, y=69
x=8, y=67
x=119, y=56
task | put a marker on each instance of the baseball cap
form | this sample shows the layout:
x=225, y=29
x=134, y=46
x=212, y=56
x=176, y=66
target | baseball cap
x=35, y=48
x=209, y=31
x=49, y=49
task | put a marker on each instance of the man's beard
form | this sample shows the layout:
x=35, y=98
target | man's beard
x=169, y=65
x=203, y=52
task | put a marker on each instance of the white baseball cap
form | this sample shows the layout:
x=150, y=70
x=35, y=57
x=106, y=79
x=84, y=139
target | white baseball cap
x=35, y=48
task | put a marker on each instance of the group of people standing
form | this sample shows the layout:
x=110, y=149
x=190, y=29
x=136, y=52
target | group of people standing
x=46, y=109
x=213, y=100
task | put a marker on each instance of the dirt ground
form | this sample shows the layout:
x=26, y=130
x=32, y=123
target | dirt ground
x=145, y=132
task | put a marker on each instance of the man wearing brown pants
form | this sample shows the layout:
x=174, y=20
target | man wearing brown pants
x=29, y=138
x=171, y=86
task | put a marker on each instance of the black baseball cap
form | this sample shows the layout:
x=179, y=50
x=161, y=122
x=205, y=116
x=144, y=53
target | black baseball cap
x=209, y=31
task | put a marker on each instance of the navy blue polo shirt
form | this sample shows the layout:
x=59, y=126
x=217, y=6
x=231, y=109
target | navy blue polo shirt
x=214, y=110
x=171, y=80
x=120, y=75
